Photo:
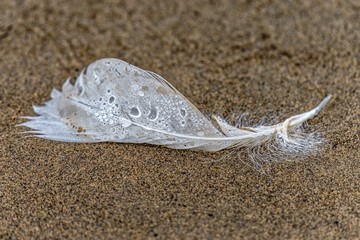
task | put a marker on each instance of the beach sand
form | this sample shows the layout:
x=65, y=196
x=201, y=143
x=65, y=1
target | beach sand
x=264, y=59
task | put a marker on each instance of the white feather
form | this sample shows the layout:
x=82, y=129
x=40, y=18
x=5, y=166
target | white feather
x=112, y=100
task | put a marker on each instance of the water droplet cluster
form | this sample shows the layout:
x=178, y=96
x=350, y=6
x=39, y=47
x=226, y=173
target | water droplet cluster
x=124, y=98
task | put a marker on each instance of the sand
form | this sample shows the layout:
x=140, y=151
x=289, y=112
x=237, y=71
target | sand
x=264, y=58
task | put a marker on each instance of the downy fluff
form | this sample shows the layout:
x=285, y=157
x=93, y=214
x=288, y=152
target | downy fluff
x=114, y=101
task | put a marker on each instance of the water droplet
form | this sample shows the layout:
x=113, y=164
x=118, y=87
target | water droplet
x=153, y=114
x=182, y=112
x=135, y=112
x=111, y=99
x=108, y=91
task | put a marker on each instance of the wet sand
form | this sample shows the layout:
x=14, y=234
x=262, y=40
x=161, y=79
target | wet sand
x=266, y=59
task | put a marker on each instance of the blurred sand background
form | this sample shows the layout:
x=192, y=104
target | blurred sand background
x=267, y=58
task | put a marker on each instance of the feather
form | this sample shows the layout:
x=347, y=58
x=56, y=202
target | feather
x=114, y=101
